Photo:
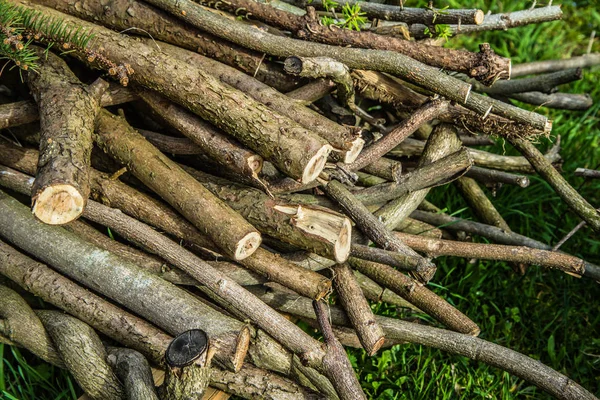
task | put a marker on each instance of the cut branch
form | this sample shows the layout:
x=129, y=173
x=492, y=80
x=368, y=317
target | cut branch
x=67, y=113
x=133, y=370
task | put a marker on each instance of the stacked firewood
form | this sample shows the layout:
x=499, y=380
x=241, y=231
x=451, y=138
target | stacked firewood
x=253, y=160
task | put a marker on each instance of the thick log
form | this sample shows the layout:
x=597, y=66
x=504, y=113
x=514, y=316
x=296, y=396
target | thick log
x=133, y=371
x=236, y=237
x=67, y=113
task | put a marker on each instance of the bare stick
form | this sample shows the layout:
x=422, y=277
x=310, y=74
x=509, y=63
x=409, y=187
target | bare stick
x=563, y=101
x=415, y=293
x=335, y=360
x=442, y=142
x=502, y=21
x=402, y=131
x=540, y=67
x=65, y=294
x=546, y=83
x=83, y=353
x=67, y=113
x=133, y=370
x=21, y=325
x=480, y=203
x=226, y=152
x=358, y=309
x=494, y=177
x=569, y=195
x=142, y=292
x=170, y=144
x=312, y=91
x=587, y=173
x=437, y=173
x=374, y=229
x=437, y=247
x=236, y=237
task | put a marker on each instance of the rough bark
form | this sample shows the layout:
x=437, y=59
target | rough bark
x=83, y=354
x=415, y=293
x=142, y=292
x=566, y=192
x=236, y=237
x=24, y=112
x=134, y=372
x=63, y=293
x=67, y=113
x=437, y=247
x=226, y=152
x=358, y=309
x=442, y=142
x=313, y=228
x=20, y=325
x=136, y=17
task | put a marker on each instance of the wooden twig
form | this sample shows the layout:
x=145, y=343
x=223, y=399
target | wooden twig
x=236, y=237
x=312, y=91
x=540, y=67
x=569, y=195
x=375, y=230
x=587, y=173
x=83, y=354
x=215, y=144
x=563, y=101
x=494, y=177
x=437, y=247
x=358, y=309
x=480, y=203
x=67, y=113
x=335, y=360
x=133, y=371
x=546, y=83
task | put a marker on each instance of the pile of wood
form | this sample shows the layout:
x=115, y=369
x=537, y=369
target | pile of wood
x=248, y=164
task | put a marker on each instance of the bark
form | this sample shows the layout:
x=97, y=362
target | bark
x=358, y=309
x=236, y=237
x=136, y=17
x=494, y=233
x=377, y=60
x=67, y=113
x=83, y=354
x=271, y=135
x=20, y=325
x=385, y=168
x=398, y=331
x=133, y=370
x=587, y=173
x=171, y=145
x=143, y=293
x=415, y=293
x=375, y=230
x=413, y=147
x=335, y=360
x=437, y=247
x=492, y=177
x=392, y=258
x=312, y=228
x=442, y=142
x=546, y=83
x=502, y=21
x=480, y=203
x=24, y=112
x=226, y=152
x=485, y=66
x=566, y=192
x=65, y=294
x=402, y=131
x=541, y=67
x=563, y=101
x=437, y=173
x=345, y=140
x=312, y=91
x=188, y=366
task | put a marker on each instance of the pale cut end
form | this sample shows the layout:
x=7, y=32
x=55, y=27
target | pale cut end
x=478, y=17
x=509, y=69
x=343, y=243
x=548, y=126
x=468, y=94
x=58, y=204
x=247, y=246
x=374, y=348
x=316, y=164
x=255, y=164
x=241, y=350
x=352, y=154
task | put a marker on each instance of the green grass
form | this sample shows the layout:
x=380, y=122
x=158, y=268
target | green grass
x=547, y=315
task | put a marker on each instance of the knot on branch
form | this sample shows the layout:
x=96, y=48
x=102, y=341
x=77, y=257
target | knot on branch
x=490, y=66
